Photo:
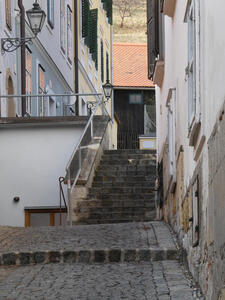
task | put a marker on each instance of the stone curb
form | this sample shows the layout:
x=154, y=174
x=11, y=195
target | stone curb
x=88, y=256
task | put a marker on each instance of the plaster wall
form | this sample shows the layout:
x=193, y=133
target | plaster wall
x=31, y=161
x=49, y=38
x=174, y=77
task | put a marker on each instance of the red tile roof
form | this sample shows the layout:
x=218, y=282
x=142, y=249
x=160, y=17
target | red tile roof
x=130, y=65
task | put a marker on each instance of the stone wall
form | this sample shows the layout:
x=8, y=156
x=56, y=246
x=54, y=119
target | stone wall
x=216, y=247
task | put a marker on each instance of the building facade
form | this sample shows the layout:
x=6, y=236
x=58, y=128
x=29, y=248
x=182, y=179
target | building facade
x=186, y=62
x=134, y=97
x=49, y=59
x=94, y=31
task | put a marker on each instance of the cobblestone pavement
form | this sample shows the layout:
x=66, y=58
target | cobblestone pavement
x=144, y=281
x=126, y=235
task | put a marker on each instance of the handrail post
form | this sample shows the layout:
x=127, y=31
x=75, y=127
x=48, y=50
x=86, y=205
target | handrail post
x=69, y=198
x=92, y=134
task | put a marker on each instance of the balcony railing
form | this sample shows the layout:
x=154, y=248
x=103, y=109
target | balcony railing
x=45, y=105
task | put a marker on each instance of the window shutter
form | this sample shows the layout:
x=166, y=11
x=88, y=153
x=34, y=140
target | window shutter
x=107, y=66
x=109, y=12
x=102, y=61
x=152, y=35
x=94, y=35
x=85, y=18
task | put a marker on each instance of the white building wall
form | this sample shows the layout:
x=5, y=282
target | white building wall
x=31, y=161
x=174, y=77
x=50, y=39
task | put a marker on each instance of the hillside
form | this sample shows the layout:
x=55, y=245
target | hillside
x=134, y=29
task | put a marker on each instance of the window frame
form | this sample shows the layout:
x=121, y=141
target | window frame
x=50, y=13
x=69, y=35
x=171, y=118
x=8, y=15
x=41, y=90
x=63, y=26
x=102, y=61
x=28, y=79
x=192, y=18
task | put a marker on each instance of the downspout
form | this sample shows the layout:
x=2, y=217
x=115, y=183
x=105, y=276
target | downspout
x=76, y=60
x=22, y=54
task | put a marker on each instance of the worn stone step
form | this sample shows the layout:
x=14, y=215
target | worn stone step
x=134, y=172
x=127, y=162
x=108, y=184
x=97, y=220
x=128, y=151
x=114, y=196
x=121, y=190
x=96, y=203
x=114, y=177
x=111, y=210
x=130, y=156
x=119, y=216
x=128, y=168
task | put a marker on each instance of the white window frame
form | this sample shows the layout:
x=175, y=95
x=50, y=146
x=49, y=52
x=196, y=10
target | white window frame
x=192, y=18
x=172, y=166
x=63, y=26
x=28, y=80
x=69, y=34
x=50, y=13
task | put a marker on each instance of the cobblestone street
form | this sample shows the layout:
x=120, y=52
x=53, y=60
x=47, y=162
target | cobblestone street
x=94, y=262
x=143, y=281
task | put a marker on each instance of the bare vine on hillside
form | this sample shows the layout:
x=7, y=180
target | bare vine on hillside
x=126, y=8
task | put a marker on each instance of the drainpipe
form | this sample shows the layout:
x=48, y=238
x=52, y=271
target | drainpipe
x=76, y=60
x=23, y=61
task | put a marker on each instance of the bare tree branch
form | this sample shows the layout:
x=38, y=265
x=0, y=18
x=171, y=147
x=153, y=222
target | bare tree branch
x=126, y=8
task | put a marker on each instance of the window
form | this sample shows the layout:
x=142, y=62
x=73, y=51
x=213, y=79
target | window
x=28, y=80
x=41, y=89
x=171, y=104
x=193, y=69
x=50, y=13
x=135, y=99
x=89, y=29
x=69, y=34
x=62, y=26
x=107, y=5
x=191, y=64
x=102, y=61
x=156, y=38
x=107, y=66
x=8, y=17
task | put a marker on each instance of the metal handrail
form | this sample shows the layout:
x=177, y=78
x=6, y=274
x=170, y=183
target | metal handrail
x=78, y=147
x=61, y=196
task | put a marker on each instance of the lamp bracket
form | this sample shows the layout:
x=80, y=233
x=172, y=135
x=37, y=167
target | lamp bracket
x=91, y=104
x=11, y=44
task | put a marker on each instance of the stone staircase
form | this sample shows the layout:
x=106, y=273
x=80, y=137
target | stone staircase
x=122, y=189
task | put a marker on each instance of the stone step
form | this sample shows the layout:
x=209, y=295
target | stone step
x=130, y=156
x=119, y=196
x=95, y=203
x=128, y=168
x=108, y=184
x=121, y=190
x=114, y=177
x=112, y=210
x=126, y=162
x=128, y=151
x=101, y=218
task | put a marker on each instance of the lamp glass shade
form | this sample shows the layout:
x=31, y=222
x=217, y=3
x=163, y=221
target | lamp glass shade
x=36, y=17
x=107, y=88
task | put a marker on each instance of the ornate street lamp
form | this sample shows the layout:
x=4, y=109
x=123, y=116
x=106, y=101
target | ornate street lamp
x=107, y=88
x=36, y=18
